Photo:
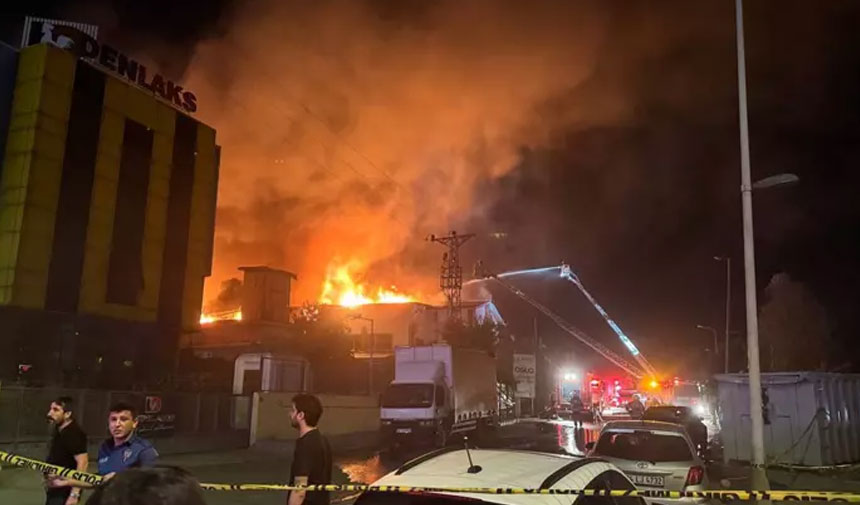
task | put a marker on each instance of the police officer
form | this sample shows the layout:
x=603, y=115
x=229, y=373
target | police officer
x=124, y=449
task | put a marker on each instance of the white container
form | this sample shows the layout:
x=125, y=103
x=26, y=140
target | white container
x=812, y=418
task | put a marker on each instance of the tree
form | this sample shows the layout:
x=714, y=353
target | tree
x=475, y=336
x=794, y=330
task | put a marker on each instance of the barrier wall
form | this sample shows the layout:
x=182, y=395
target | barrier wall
x=342, y=416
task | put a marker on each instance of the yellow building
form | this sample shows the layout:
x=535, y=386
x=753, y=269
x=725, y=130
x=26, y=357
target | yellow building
x=107, y=205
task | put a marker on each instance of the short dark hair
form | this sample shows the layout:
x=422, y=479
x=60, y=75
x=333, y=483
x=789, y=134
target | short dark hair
x=66, y=402
x=121, y=406
x=164, y=485
x=310, y=406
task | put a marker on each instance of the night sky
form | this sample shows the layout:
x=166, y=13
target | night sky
x=639, y=206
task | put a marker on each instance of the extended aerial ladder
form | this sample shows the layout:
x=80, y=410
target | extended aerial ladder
x=580, y=335
x=566, y=273
x=644, y=368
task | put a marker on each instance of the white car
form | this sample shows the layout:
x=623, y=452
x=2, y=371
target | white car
x=501, y=468
x=653, y=454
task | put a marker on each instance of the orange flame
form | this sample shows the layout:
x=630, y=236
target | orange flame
x=339, y=288
x=230, y=315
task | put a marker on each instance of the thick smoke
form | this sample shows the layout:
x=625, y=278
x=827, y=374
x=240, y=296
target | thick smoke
x=351, y=130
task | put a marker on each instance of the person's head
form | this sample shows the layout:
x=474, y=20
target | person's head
x=122, y=420
x=306, y=412
x=160, y=485
x=60, y=410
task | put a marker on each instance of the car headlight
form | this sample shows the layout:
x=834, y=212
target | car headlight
x=700, y=409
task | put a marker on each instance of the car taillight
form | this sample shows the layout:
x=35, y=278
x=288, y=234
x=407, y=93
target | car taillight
x=695, y=476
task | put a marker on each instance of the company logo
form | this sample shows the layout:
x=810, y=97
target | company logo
x=85, y=46
x=642, y=465
x=153, y=405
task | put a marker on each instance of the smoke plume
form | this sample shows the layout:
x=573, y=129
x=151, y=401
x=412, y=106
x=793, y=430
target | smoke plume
x=351, y=130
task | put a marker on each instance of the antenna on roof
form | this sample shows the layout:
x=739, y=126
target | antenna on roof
x=472, y=467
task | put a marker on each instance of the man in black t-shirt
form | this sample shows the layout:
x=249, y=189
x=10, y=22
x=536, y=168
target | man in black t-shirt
x=68, y=449
x=312, y=455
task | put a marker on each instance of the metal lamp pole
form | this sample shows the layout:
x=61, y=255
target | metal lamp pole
x=759, y=475
x=728, y=261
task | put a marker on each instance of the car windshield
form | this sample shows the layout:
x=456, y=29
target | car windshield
x=643, y=446
x=381, y=498
x=399, y=396
x=667, y=414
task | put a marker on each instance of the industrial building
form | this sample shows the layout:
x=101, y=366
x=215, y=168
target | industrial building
x=107, y=205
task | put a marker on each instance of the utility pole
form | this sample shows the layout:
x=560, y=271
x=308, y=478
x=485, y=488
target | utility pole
x=451, y=275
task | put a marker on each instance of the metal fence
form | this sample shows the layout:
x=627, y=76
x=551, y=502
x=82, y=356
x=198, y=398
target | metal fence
x=23, y=412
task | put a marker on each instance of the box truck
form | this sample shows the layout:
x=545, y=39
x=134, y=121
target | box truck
x=438, y=391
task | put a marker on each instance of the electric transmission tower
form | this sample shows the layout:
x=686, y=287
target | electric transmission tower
x=451, y=275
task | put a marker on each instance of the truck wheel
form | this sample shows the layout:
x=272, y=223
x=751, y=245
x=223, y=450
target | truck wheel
x=440, y=439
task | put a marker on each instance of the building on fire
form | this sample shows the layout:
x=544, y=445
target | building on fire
x=268, y=347
x=107, y=204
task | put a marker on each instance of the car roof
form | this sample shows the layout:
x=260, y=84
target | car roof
x=499, y=468
x=659, y=426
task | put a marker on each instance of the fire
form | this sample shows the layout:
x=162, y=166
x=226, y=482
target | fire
x=230, y=315
x=339, y=288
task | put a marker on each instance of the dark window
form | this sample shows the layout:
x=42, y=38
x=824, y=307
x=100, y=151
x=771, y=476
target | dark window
x=125, y=268
x=643, y=446
x=76, y=187
x=178, y=220
x=440, y=396
x=399, y=396
x=609, y=479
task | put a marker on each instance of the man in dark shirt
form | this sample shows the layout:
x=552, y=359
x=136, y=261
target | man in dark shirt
x=312, y=455
x=68, y=449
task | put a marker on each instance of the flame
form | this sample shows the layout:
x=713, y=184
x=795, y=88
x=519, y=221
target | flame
x=339, y=288
x=230, y=315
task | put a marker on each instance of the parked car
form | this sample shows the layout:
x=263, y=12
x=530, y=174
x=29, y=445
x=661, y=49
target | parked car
x=453, y=467
x=653, y=454
x=684, y=416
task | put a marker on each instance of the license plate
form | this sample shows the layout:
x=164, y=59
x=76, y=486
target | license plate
x=404, y=430
x=647, y=480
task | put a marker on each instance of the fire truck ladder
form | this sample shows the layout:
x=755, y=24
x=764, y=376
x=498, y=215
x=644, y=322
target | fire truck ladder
x=580, y=335
x=566, y=273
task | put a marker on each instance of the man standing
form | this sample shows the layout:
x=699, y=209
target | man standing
x=312, y=455
x=124, y=449
x=68, y=449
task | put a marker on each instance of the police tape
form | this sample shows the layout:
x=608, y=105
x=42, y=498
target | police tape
x=734, y=495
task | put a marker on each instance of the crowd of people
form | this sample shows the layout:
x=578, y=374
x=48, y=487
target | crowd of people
x=129, y=465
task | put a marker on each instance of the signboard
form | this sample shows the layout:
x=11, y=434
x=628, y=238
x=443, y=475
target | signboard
x=525, y=368
x=153, y=423
x=81, y=40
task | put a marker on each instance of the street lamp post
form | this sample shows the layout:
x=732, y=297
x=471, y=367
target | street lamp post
x=759, y=475
x=728, y=261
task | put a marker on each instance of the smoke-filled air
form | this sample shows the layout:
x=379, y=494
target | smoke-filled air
x=352, y=130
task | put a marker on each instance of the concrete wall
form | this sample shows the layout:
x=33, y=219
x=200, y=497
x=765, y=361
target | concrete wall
x=343, y=416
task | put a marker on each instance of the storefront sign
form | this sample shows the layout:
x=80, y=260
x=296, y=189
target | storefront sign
x=524, y=374
x=71, y=37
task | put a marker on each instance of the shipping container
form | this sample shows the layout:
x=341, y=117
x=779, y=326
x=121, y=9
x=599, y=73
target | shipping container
x=811, y=418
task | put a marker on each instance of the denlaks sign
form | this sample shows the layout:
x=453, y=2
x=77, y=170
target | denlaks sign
x=85, y=46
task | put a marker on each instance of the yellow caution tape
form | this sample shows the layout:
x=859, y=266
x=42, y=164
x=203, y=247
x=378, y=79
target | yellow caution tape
x=780, y=495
